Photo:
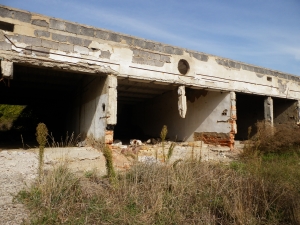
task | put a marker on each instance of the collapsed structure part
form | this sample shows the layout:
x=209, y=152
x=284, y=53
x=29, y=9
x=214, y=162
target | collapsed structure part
x=119, y=86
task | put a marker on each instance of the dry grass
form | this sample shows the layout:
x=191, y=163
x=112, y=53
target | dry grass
x=189, y=193
x=280, y=138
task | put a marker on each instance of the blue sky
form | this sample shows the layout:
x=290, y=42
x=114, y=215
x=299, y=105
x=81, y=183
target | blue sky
x=260, y=32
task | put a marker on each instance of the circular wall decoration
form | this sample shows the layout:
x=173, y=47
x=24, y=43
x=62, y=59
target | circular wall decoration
x=183, y=66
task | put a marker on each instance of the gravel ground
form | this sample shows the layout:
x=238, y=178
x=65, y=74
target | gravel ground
x=17, y=170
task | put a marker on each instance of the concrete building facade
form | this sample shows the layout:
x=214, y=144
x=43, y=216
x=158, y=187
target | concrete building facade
x=110, y=85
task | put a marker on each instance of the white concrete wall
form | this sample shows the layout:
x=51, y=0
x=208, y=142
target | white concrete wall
x=202, y=115
x=92, y=117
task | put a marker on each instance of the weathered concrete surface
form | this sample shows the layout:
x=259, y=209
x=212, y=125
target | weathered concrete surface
x=38, y=40
x=40, y=36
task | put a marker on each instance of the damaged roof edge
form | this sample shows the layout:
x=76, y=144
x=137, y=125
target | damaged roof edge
x=90, y=31
x=79, y=67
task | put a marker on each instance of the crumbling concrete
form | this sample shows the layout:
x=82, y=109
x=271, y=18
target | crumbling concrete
x=206, y=84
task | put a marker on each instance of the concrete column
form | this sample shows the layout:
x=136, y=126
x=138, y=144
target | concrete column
x=112, y=82
x=232, y=119
x=7, y=69
x=182, y=107
x=268, y=110
x=298, y=112
x=111, y=112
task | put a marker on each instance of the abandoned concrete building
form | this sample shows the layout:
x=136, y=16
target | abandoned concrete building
x=110, y=85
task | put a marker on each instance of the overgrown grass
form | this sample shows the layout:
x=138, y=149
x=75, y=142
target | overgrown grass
x=258, y=190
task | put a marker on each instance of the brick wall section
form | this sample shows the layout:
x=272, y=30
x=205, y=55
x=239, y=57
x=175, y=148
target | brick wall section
x=67, y=43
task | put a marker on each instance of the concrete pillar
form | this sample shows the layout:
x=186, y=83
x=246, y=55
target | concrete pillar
x=182, y=107
x=111, y=112
x=7, y=69
x=112, y=82
x=268, y=110
x=232, y=119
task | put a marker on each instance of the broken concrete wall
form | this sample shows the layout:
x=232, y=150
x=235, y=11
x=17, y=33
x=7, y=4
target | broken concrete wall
x=207, y=111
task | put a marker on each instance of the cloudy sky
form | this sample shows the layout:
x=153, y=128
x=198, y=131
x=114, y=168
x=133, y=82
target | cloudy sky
x=259, y=32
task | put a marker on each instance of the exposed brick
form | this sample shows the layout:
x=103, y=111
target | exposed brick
x=22, y=16
x=32, y=41
x=139, y=43
x=40, y=51
x=75, y=40
x=57, y=25
x=204, y=58
x=149, y=62
x=72, y=28
x=158, y=47
x=87, y=31
x=169, y=49
x=269, y=72
x=159, y=63
x=65, y=47
x=231, y=64
x=41, y=23
x=105, y=54
x=114, y=37
x=6, y=13
x=49, y=44
x=178, y=51
x=135, y=52
x=16, y=38
x=165, y=58
x=81, y=50
x=154, y=56
x=149, y=45
x=237, y=65
x=86, y=42
x=143, y=54
x=199, y=57
x=59, y=37
x=41, y=33
x=5, y=46
x=104, y=35
x=129, y=40
x=138, y=60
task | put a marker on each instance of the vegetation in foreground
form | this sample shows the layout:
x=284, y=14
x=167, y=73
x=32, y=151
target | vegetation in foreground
x=262, y=190
x=263, y=187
